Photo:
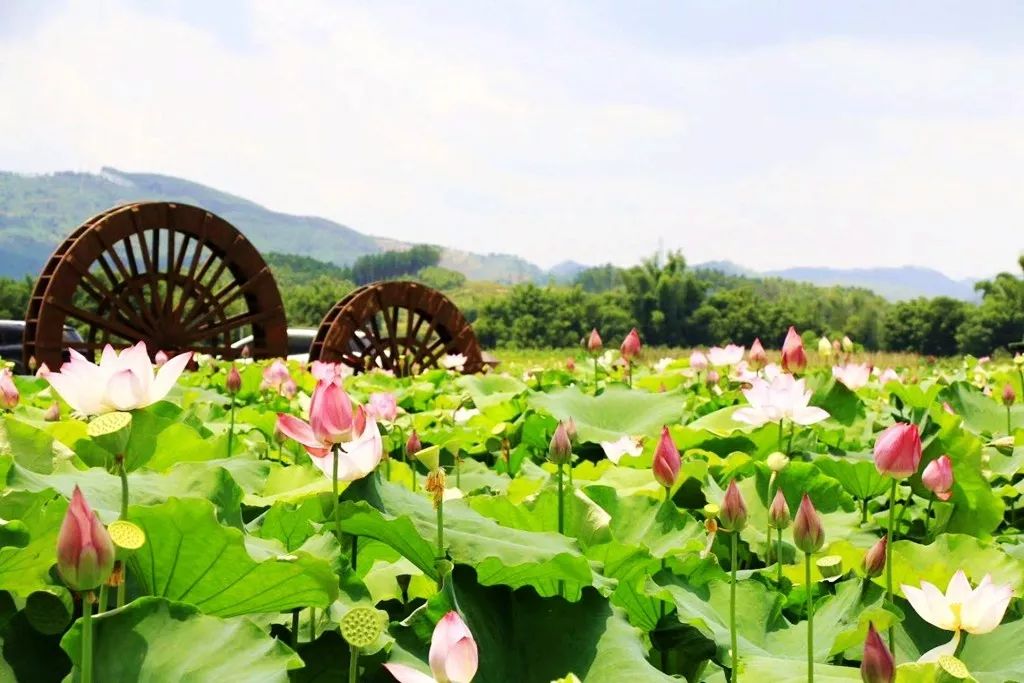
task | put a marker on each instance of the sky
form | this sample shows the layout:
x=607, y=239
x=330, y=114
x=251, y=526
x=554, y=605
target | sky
x=768, y=133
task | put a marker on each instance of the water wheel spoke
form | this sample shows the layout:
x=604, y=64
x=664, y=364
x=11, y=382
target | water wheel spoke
x=95, y=320
x=228, y=324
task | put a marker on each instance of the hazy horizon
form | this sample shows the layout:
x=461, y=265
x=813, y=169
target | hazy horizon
x=791, y=136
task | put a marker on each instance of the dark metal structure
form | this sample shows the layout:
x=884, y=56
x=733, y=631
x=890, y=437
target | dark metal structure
x=175, y=276
x=405, y=327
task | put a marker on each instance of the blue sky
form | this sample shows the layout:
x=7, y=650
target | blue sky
x=771, y=134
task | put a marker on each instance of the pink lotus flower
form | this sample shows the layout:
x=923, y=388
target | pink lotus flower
x=43, y=371
x=853, y=375
x=560, y=447
x=274, y=376
x=9, y=395
x=382, y=406
x=975, y=611
x=1009, y=395
x=289, y=389
x=783, y=398
x=898, y=450
x=331, y=420
x=730, y=355
x=594, y=342
x=808, y=532
x=85, y=553
x=877, y=666
x=778, y=511
x=757, y=355
x=938, y=477
x=734, y=509
x=160, y=358
x=52, y=413
x=122, y=381
x=453, y=655
x=233, y=382
x=874, y=560
x=631, y=345
x=794, y=358
x=454, y=362
x=886, y=376
x=666, y=460
x=413, y=445
x=698, y=361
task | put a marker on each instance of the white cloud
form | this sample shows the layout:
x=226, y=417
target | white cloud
x=558, y=142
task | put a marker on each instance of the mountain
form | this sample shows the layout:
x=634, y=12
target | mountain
x=566, y=271
x=38, y=211
x=895, y=284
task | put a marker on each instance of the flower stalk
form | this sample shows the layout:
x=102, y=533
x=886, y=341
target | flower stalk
x=87, y=600
x=888, y=556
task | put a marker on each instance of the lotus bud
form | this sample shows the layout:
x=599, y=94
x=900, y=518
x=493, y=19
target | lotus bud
x=289, y=388
x=570, y=365
x=808, y=533
x=246, y=352
x=666, y=460
x=825, y=347
x=938, y=477
x=847, y=344
x=734, y=509
x=413, y=444
x=631, y=345
x=560, y=448
x=878, y=665
x=898, y=450
x=9, y=395
x=874, y=561
x=794, y=358
x=778, y=511
x=233, y=383
x=1009, y=395
x=85, y=553
x=757, y=358
x=777, y=461
x=570, y=429
x=594, y=343
x=712, y=378
x=52, y=413
x=43, y=371
x=698, y=361
x=160, y=358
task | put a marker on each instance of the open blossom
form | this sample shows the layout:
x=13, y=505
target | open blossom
x=938, y=477
x=782, y=398
x=698, y=361
x=85, y=553
x=9, y=395
x=453, y=655
x=627, y=445
x=662, y=365
x=886, y=376
x=960, y=608
x=454, y=362
x=382, y=406
x=794, y=358
x=853, y=375
x=122, y=381
x=275, y=375
x=730, y=355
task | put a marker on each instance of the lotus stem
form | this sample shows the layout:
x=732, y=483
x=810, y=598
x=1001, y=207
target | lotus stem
x=595, y=375
x=778, y=555
x=104, y=599
x=124, y=486
x=312, y=624
x=231, y=428
x=87, y=600
x=810, y=618
x=1009, y=428
x=888, y=556
x=355, y=551
x=334, y=489
x=353, y=664
x=440, y=539
x=735, y=653
x=295, y=628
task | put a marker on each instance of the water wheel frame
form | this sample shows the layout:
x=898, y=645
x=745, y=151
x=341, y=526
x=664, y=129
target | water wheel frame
x=166, y=273
x=352, y=334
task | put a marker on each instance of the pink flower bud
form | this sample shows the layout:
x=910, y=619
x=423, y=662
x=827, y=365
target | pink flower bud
x=413, y=445
x=570, y=429
x=698, y=361
x=734, y=509
x=874, y=561
x=246, y=352
x=631, y=345
x=330, y=413
x=233, y=383
x=877, y=665
x=289, y=388
x=43, y=371
x=570, y=365
x=808, y=533
x=898, y=450
x=560, y=448
x=666, y=460
x=794, y=358
x=594, y=343
x=52, y=413
x=1009, y=395
x=712, y=378
x=757, y=358
x=938, y=477
x=9, y=395
x=383, y=406
x=160, y=358
x=85, y=553
x=778, y=511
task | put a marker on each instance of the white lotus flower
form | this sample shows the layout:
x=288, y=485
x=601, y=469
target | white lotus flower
x=960, y=609
x=463, y=415
x=122, y=381
x=454, y=362
x=730, y=355
x=783, y=398
x=887, y=375
x=627, y=445
x=663, y=364
x=853, y=375
x=359, y=457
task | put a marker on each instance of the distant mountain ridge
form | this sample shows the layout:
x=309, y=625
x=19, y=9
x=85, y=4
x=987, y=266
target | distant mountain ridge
x=38, y=211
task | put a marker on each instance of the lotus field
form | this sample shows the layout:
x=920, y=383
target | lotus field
x=719, y=515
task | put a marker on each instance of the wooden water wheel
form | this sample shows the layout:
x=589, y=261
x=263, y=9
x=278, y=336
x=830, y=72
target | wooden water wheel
x=173, y=275
x=405, y=327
